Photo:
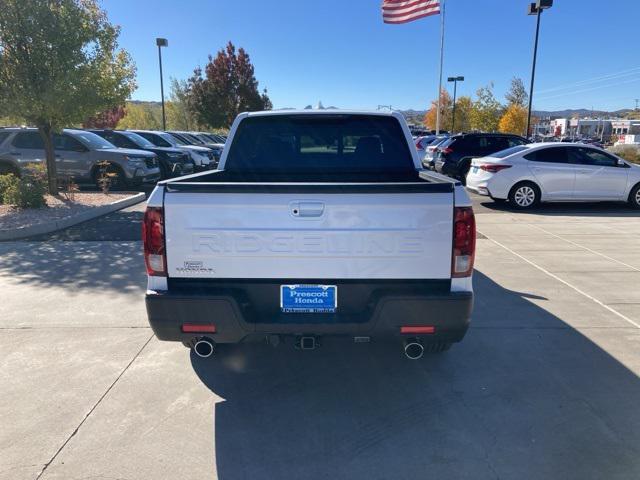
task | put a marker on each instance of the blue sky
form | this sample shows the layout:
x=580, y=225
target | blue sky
x=340, y=52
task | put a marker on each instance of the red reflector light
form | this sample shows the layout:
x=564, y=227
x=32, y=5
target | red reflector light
x=464, y=242
x=418, y=329
x=493, y=167
x=153, y=240
x=198, y=328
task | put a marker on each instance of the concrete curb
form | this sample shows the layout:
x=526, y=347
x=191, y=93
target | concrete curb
x=63, y=223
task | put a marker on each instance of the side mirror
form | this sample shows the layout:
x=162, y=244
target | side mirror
x=621, y=163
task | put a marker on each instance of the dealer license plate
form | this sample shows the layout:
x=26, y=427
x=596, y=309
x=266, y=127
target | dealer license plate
x=308, y=298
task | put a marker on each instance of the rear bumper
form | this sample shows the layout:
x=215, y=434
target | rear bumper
x=480, y=189
x=383, y=316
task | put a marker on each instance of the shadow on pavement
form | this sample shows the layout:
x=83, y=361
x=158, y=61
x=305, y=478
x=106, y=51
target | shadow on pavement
x=599, y=209
x=531, y=398
x=104, y=266
x=123, y=225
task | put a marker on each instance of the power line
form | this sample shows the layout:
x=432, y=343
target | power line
x=573, y=92
x=602, y=78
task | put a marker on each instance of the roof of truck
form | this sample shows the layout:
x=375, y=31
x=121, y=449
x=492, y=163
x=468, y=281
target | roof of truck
x=332, y=111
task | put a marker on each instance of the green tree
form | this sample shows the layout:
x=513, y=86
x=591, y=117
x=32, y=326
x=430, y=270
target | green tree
x=464, y=106
x=517, y=94
x=227, y=87
x=486, y=111
x=180, y=114
x=140, y=116
x=59, y=64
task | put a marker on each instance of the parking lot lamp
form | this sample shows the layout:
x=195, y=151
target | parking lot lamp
x=455, y=81
x=162, y=42
x=536, y=9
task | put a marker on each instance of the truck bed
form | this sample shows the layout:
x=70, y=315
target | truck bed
x=221, y=181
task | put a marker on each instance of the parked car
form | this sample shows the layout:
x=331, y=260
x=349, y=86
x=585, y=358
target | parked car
x=428, y=159
x=202, y=157
x=193, y=138
x=173, y=161
x=78, y=154
x=423, y=141
x=592, y=141
x=217, y=138
x=318, y=241
x=453, y=157
x=550, y=172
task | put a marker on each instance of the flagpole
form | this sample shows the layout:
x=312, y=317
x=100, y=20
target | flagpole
x=441, y=61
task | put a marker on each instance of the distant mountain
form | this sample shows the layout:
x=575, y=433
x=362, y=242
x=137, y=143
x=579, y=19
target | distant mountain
x=145, y=102
x=570, y=112
x=583, y=112
x=413, y=113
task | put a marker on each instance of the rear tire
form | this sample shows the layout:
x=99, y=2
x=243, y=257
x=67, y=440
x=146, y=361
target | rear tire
x=524, y=196
x=634, y=197
x=437, y=347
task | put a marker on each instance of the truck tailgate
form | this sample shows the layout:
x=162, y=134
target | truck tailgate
x=406, y=235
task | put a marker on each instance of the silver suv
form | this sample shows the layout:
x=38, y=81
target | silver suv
x=78, y=154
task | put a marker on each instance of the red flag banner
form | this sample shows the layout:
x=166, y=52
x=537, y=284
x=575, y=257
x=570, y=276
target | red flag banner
x=403, y=11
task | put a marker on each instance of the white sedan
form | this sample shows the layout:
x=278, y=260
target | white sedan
x=554, y=172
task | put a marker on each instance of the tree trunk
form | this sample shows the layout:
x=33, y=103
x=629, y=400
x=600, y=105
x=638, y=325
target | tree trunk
x=52, y=171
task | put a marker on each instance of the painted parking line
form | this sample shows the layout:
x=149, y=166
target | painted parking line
x=555, y=277
x=586, y=248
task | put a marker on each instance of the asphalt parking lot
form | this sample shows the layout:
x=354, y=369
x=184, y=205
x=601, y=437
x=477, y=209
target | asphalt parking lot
x=545, y=385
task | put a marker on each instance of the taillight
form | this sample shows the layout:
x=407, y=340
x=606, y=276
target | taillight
x=464, y=242
x=446, y=150
x=153, y=239
x=493, y=167
x=419, y=146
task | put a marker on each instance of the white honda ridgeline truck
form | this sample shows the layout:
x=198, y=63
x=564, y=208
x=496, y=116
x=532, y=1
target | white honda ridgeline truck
x=316, y=223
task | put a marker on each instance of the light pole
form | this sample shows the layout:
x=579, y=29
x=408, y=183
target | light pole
x=162, y=42
x=455, y=81
x=536, y=9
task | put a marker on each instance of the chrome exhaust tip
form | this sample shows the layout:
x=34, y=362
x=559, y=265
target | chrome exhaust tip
x=413, y=349
x=204, y=348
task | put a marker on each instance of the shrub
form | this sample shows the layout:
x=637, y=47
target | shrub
x=629, y=153
x=69, y=188
x=104, y=176
x=6, y=182
x=25, y=192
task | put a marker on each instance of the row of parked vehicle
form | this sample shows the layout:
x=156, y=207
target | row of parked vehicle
x=130, y=157
x=510, y=168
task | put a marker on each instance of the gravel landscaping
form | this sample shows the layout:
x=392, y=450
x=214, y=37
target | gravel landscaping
x=58, y=208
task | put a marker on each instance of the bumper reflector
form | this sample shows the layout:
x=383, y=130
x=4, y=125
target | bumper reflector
x=198, y=328
x=418, y=329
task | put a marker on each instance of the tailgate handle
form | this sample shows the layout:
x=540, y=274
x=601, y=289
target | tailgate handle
x=307, y=209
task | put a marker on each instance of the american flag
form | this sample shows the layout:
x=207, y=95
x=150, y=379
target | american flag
x=403, y=11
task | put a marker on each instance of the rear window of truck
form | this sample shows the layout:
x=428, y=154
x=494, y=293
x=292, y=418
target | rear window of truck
x=310, y=144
